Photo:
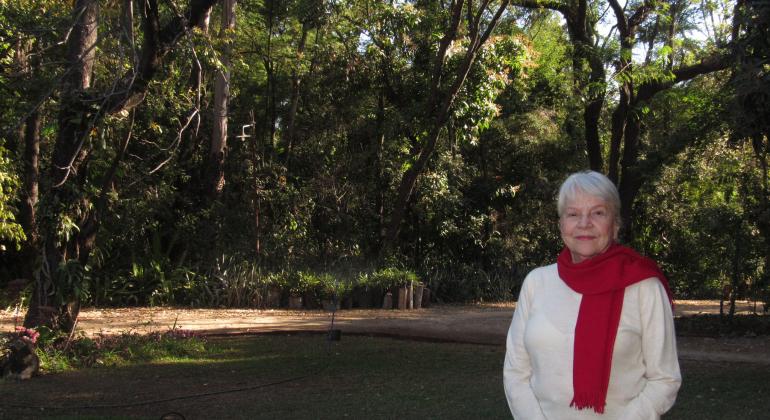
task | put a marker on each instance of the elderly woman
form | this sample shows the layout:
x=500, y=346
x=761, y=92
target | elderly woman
x=592, y=336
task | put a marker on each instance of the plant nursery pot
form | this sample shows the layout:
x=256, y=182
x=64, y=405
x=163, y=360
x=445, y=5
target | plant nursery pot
x=410, y=296
x=387, y=301
x=403, y=298
x=311, y=301
x=362, y=298
x=377, y=295
x=425, y=297
x=418, y=292
x=330, y=306
x=273, y=298
x=295, y=302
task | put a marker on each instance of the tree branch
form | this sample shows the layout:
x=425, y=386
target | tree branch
x=495, y=22
x=620, y=17
x=157, y=43
x=640, y=15
x=556, y=5
x=710, y=64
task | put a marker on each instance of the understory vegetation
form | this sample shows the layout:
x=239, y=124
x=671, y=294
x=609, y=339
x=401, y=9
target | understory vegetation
x=60, y=353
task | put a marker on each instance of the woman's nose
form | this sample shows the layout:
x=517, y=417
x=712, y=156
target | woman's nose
x=584, y=220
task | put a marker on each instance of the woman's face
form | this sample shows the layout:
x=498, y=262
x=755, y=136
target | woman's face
x=587, y=226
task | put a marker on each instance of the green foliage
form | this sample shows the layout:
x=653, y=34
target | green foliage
x=10, y=230
x=351, y=81
x=231, y=283
x=72, y=282
x=697, y=225
x=750, y=83
x=391, y=277
x=466, y=283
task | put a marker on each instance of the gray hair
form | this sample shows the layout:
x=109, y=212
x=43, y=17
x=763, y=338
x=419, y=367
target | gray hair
x=591, y=183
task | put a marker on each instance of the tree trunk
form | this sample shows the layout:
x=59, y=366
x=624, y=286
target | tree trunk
x=196, y=73
x=269, y=101
x=380, y=182
x=218, y=147
x=591, y=115
x=617, y=130
x=761, y=146
x=27, y=213
x=74, y=121
x=29, y=136
x=296, y=81
x=631, y=177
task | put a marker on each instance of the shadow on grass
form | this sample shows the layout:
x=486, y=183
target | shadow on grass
x=305, y=377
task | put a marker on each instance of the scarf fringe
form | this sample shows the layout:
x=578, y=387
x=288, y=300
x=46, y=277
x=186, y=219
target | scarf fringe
x=583, y=402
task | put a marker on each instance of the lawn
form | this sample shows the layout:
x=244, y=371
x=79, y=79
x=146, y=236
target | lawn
x=306, y=377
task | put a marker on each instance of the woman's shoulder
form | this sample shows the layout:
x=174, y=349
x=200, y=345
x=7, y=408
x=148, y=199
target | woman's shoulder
x=649, y=291
x=648, y=285
x=543, y=273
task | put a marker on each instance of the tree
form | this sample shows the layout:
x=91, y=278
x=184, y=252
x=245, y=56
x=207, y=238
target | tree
x=637, y=83
x=443, y=89
x=70, y=223
x=750, y=85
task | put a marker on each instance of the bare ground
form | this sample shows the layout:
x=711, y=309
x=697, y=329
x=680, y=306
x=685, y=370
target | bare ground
x=482, y=324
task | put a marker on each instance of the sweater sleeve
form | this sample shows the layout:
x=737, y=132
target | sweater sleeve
x=660, y=355
x=517, y=368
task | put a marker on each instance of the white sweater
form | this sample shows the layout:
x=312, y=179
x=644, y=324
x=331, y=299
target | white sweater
x=537, y=372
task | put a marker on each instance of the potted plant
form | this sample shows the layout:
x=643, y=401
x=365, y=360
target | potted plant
x=399, y=283
x=275, y=284
x=308, y=286
x=361, y=293
x=329, y=289
x=296, y=289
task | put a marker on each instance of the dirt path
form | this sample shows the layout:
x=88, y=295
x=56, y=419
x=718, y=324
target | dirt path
x=483, y=324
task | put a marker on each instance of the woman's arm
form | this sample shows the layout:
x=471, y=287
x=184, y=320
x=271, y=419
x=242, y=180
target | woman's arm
x=517, y=368
x=660, y=356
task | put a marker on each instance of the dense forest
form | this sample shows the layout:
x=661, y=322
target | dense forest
x=196, y=152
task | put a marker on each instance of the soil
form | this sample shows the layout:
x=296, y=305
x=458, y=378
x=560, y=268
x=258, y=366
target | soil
x=481, y=324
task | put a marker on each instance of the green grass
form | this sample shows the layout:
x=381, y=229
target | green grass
x=60, y=355
x=303, y=377
x=718, y=390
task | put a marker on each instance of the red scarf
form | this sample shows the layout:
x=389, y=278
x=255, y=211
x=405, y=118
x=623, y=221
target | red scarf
x=602, y=281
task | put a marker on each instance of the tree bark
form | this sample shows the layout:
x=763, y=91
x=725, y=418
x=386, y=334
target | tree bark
x=27, y=209
x=29, y=137
x=296, y=82
x=617, y=129
x=196, y=73
x=218, y=146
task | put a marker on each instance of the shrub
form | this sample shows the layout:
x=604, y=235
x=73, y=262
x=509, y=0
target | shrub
x=466, y=283
x=390, y=277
